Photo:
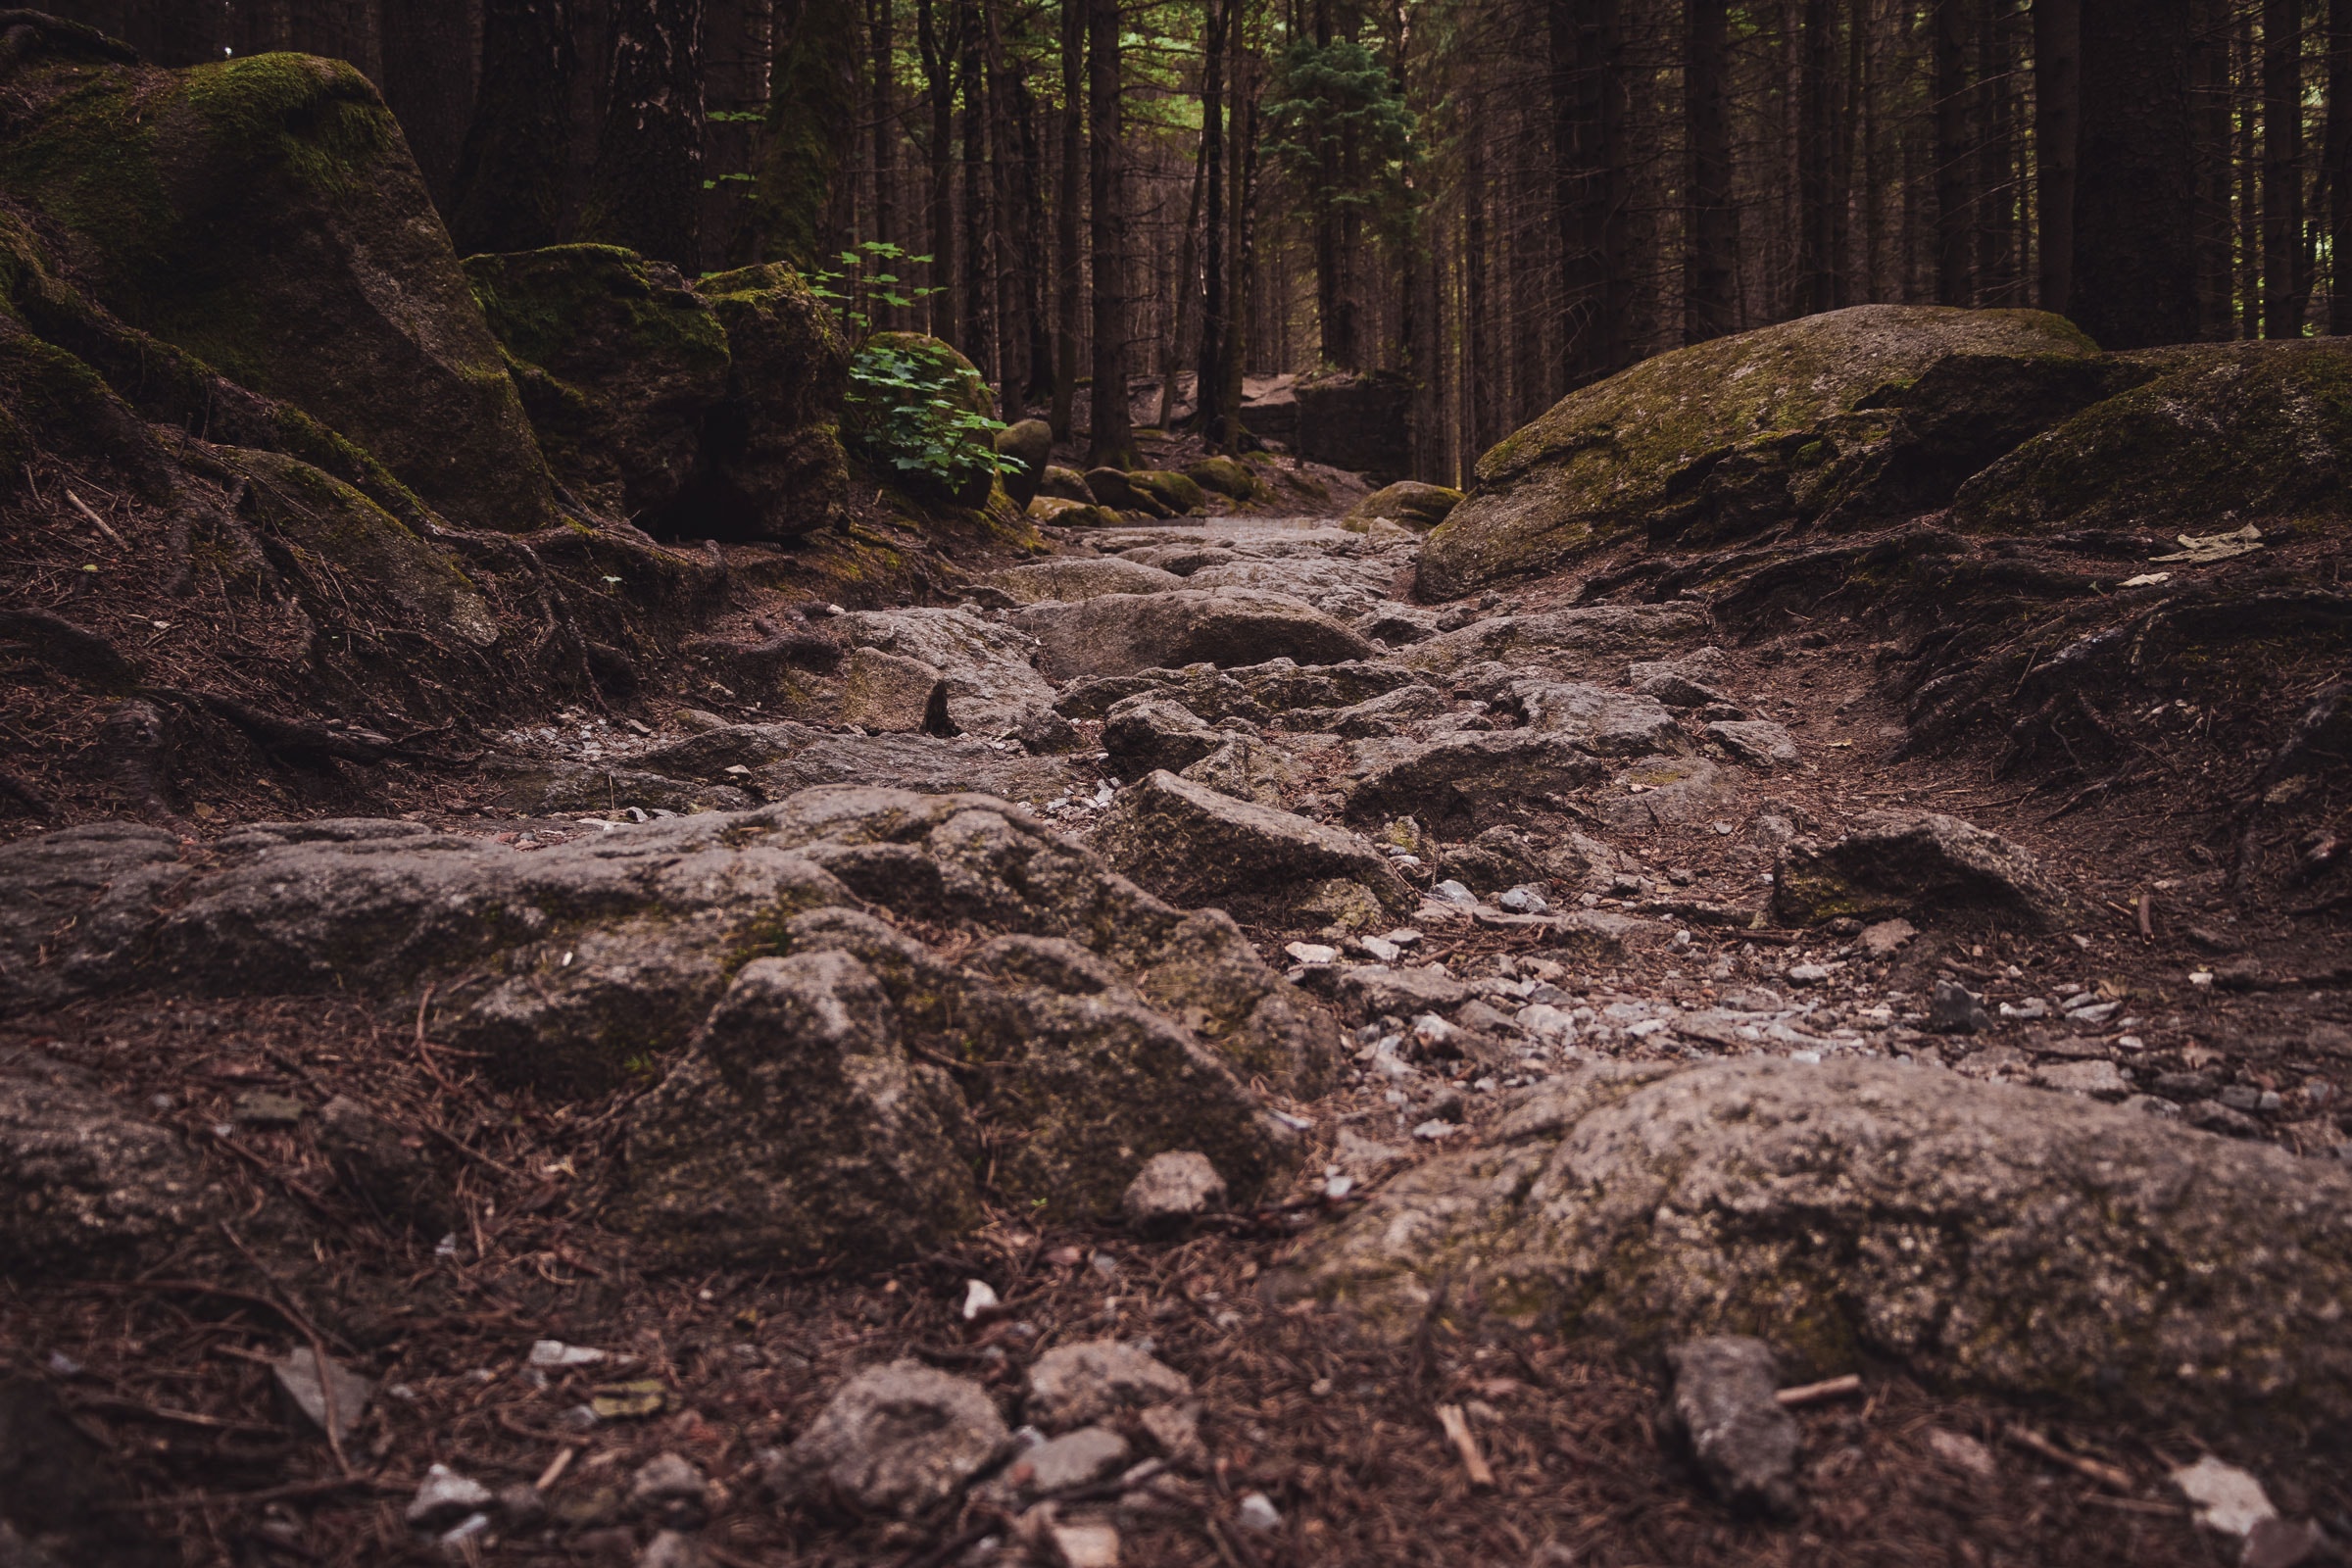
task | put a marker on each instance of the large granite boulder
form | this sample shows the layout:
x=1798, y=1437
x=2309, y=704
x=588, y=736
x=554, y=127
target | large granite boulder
x=263, y=215
x=1197, y=845
x=2006, y=1239
x=2225, y=434
x=1119, y=634
x=1855, y=417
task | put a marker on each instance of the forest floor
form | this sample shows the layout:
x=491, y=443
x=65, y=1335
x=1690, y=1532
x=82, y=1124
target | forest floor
x=1339, y=1430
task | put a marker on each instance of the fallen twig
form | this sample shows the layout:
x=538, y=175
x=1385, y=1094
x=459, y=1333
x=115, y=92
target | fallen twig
x=1457, y=1432
x=1815, y=1393
x=2106, y=1474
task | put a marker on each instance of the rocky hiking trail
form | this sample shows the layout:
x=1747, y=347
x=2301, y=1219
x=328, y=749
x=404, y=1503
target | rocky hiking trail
x=585, y=979
x=1534, y=899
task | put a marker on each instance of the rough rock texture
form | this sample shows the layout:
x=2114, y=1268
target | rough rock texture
x=264, y=215
x=1587, y=642
x=1176, y=494
x=1467, y=780
x=772, y=465
x=1072, y=1385
x=1409, y=502
x=1757, y=741
x=1926, y=867
x=1723, y=1407
x=83, y=1185
x=991, y=683
x=890, y=692
x=778, y=760
x=2225, y=434
x=1119, y=634
x=565, y=965
x=2018, y=1240
x=1224, y=475
x=1171, y=1191
x=1022, y=450
x=1856, y=416
x=1145, y=733
x=1191, y=844
x=899, y=1438
x=1081, y=578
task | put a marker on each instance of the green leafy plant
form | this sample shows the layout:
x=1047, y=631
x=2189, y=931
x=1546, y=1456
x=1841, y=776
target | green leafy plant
x=860, y=285
x=916, y=408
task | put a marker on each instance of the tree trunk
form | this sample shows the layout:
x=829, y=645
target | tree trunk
x=646, y=190
x=1996, y=193
x=738, y=47
x=517, y=163
x=1243, y=249
x=2135, y=265
x=1587, y=149
x=884, y=146
x=427, y=80
x=939, y=81
x=1710, y=224
x=1948, y=21
x=2209, y=133
x=2283, y=285
x=1209, y=381
x=1187, y=256
x=1111, y=439
x=2338, y=172
x=976, y=318
x=2057, y=110
x=1066, y=284
x=1816, y=143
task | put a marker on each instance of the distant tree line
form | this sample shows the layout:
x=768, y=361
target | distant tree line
x=1500, y=200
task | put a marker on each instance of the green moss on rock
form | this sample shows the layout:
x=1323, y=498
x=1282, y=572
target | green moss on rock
x=1845, y=418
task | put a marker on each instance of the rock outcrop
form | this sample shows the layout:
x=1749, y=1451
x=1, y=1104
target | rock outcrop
x=1119, y=634
x=1195, y=845
x=1998, y=1238
x=1865, y=414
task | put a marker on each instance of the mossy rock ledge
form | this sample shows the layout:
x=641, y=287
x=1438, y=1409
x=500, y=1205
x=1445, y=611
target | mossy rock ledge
x=1987, y=1236
x=264, y=215
x=1844, y=420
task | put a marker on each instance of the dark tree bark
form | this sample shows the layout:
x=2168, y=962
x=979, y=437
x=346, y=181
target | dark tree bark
x=1995, y=208
x=2339, y=171
x=739, y=47
x=975, y=317
x=1209, y=383
x=1111, y=439
x=2135, y=265
x=939, y=81
x=1588, y=104
x=515, y=165
x=2210, y=114
x=1066, y=279
x=811, y=129
x=1816, y=149
x=427, y=80
x=883, y=147
x=1478, y=390
x=1948, y=23
x=1711, y=226
x=1241, y=292
x=2282, y=283
x=2057, y=110
x=645, y=191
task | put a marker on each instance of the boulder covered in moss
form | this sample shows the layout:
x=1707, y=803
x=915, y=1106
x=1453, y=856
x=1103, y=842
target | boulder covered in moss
x=2010, y=1239
x=264, y=215
x=1844, y=420
x=920, y=416
x=2225, y=434
x=1408, y=500
x=706, y=409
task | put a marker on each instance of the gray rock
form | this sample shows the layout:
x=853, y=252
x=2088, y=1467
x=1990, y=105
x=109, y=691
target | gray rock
x=1142, y=734
x=2100, y=1078
x=300, y=1384
x=1757, y=742
x=85, y=1186
x=1072, y=1385
x=1073, y=1460
x=1376, y=989
x=1468, y=781
x=672, y=1489
x=1067, y=484
x=984, y=663
x=1883, y=938
x=901, y=1439
x=1028, y=444
x=1920, y=865
x=1247, y=769
x=1081, y=577
x=443, y=1498
x=1420, y=507
x=1171, y=1191
x=1111, y=488
x=1116, y=634
x=1857, y=1207
x=1182, y=560
x=1193, y=845
x=1588, y=641
x=673, y=1549
x=1725, y=1407
x=1600, y=720
x=1955, y=1010
x=892, y=694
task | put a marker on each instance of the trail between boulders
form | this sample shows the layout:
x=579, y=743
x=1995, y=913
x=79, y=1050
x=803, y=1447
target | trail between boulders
x=703, y=1138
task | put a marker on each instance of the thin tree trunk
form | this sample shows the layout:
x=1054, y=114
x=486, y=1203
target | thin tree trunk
x=2057, y=110
x=2249, y=184
x=1209, y=381
x=1710, y=224
x=1245, y=290
x=1111, y=439
x=645, y=191
x=974, y=316
x=884, y=145
x=939, y=78
x=1587, y=149
x=512, y=175
x=2339, y=171
x=1953, y=284
x=2135, y=265
x=2283, y=284
x=1816, y=144
x=1996, y=194
x=1066, y=321
x=2209, y=129
x=1187, y=257
x=1478, y=358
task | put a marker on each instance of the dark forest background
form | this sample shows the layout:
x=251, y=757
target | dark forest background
x=1500, y=200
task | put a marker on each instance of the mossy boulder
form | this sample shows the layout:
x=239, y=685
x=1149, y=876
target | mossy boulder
x=264, y=215
x=1224, y=475
x=706, y=410
x=1409, y=502
x=2224, y=434
x=1175, y=492
x=919, y=415
x=1843, y=419
x=1022, y=451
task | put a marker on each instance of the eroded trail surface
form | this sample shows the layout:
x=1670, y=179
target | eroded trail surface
x=712, y=1139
